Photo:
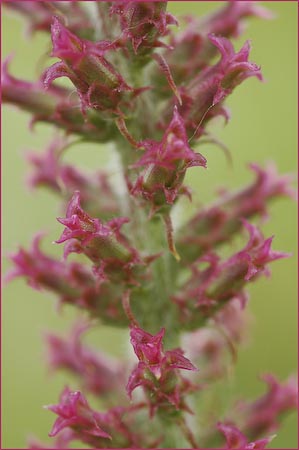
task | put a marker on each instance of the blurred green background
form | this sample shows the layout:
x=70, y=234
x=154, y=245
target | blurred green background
x=263, y=127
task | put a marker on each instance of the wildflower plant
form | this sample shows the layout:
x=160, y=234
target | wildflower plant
x=150, y=92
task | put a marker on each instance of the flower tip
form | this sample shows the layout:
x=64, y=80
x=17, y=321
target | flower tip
x=176, y=255
x=273, y=436
x=5, y=66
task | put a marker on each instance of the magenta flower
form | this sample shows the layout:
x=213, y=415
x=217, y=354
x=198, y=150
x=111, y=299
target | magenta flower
x=166, y=163
x=229, y=21
x=73, y=282
x=191, y=49
x=97, y=241
x=147, y=93
x=203, y=96
x=50, y=171
x=210, y=288
x=98, y=84
x=214, y=347
x=236, y=440
x=217, y=223
x=157, y=371
x=62, y=440
x=46, y=168
x=56, y=106
x=43, y=271
x=98, y=373
x=87, y=425
x=39, y=269
x=262, y=415
x=257, y=252
x=40, y=15
x=143, y=23
x=74, y=412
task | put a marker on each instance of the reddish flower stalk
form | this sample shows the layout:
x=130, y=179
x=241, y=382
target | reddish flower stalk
x=150, y=92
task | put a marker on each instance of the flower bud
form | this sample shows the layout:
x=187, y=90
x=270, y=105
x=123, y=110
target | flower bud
x=202, y=97
x=98, y=373
x=75, y=413
x=214, y=347
x=218, y=223
x=211, y=288
x=101, y=243
x=165, y=164
x=236, y=439
x=55, y=107
x=143, y=23
x=99, y=85
x=157, y=372
x=262, y=415
x=192, y=51
x=51, y=172
x=40, y=14
x=229, y=20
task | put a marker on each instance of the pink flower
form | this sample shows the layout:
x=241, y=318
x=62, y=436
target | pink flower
x=73, y=283
x=98, y=241
x=46, y=168
x=60, y=442
x=50, y=171
x=208, y=289
x=217, y=223
x=124, y=427
x=98, y=373
x=203, y=96
x=236, y=440
x=166, y=164
x=89, y=426
x=98, y=83
x=214, y=347
x=40, y=14
x=157, y=372
x=143, y=23
x=40, y=269
x=74, y=412
x=191, y=50
x=56, y=106
x=262, y=415
x=257, y=252
x=229, y=20
x=103, y=244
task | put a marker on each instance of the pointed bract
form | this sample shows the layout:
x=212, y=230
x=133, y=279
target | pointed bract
x=74, y=412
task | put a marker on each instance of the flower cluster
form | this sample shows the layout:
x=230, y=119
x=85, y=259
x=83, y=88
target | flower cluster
x=208, y=289
x=165, y=165
x=156, y=372
x=137, y=82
